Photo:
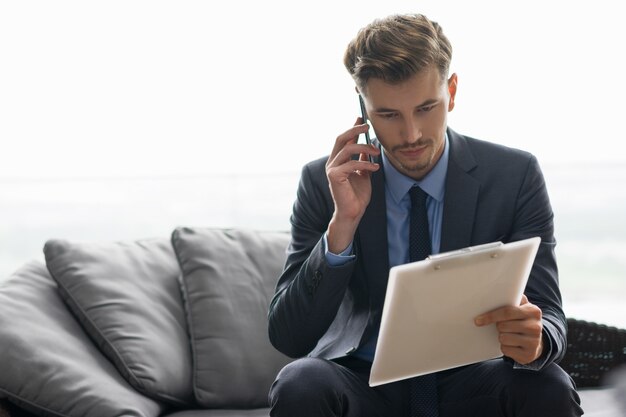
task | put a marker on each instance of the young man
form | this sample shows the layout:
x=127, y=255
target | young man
x=351, y=222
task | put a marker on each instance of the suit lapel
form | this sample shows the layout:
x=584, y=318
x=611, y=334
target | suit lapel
x=461, y=196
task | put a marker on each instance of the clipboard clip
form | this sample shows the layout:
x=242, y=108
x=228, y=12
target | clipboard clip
x=465, y=251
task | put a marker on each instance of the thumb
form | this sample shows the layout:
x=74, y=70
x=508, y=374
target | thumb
x=524, y=300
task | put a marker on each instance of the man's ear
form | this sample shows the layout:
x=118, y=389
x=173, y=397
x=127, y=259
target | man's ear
x=358, y=90
x=452, y=83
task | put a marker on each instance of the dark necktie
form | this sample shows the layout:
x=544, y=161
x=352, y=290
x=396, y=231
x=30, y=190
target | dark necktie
x=422, y=389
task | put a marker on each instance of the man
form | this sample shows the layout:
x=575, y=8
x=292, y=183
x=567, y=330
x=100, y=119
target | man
x=351, y=222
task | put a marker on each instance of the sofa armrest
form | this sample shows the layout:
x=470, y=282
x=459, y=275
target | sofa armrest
x=593, y=350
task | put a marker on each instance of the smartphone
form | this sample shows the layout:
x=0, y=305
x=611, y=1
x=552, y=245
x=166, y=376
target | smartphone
x=364, y=117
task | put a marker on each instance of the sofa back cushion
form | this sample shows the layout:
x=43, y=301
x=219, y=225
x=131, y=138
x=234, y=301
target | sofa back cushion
x=49, y=366
x=229, y=277
x=127, y=297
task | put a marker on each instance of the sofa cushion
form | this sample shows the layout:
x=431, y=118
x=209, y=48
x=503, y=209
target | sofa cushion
x=229, y=277
x=127, y=297
x=253, y=412
x=49, y=366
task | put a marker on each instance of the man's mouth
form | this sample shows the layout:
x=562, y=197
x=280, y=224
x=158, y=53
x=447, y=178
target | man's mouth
x=413, y=151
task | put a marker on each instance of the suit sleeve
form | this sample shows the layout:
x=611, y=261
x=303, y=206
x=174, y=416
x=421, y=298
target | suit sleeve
x=309, y=291
x=534, y=217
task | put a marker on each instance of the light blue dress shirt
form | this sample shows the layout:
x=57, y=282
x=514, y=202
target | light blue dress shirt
x=397, y=186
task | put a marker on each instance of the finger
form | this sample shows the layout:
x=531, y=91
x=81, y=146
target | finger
x=524, y=300
x=531, y=327
x=344, y=171
x=349, y=150
x=519, y=355
x=519, y=340
x=521, y=349
x=500, y=314
x=350, y=135
x=365, y=156
x=524, y=311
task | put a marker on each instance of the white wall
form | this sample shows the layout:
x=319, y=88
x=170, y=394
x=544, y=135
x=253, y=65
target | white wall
x=118, y=88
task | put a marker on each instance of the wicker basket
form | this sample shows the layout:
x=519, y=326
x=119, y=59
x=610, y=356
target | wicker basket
x=592, y=351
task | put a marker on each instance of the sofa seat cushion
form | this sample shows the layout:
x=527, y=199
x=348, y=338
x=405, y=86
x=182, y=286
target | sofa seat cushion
x=229, y=277
x=49, y=365
x=255, y=412
x=127, y=297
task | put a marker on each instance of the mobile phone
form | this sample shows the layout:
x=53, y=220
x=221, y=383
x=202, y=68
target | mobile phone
x=364, y=117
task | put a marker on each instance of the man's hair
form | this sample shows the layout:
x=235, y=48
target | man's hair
x=396, y=48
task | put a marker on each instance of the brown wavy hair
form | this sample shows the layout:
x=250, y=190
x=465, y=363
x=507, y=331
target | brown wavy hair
x=397, y=47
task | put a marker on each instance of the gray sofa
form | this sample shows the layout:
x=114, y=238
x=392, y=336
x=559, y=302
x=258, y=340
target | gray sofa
x=175, y=326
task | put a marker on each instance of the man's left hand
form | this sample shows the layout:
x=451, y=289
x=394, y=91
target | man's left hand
x=520, y=329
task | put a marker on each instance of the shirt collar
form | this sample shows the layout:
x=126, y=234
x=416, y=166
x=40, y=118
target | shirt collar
x=433, y=183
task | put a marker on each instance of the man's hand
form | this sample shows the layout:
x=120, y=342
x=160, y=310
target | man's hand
x=350, y=185
x=520, y=328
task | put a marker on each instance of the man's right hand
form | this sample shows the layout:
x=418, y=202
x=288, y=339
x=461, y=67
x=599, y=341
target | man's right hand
x=350, y=185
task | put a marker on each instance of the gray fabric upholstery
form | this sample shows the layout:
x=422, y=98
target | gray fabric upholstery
x=255, y=412
x=127, y=297
x=49, y=366
x=229, y=277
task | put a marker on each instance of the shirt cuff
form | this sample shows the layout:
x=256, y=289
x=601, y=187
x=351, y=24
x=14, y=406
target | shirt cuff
x=337, y=259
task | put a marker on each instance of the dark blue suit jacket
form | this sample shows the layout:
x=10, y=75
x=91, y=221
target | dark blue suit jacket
x=492, y=193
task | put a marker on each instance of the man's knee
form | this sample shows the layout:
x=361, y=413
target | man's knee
x=549, y=392
x=303, y=384
x=301, y=376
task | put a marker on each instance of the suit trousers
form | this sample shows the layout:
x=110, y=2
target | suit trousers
x=323, y=388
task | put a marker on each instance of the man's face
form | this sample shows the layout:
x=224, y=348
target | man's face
x=410, y=119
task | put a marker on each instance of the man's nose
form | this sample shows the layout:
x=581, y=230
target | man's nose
x=412, y=131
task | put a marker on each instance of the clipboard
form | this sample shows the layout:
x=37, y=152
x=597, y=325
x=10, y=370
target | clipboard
x=427, y=323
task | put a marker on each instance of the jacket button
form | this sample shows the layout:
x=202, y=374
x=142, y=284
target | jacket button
x=317, y=275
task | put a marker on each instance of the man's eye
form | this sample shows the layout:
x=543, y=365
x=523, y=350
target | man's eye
x=388, y=115
x=427, y=108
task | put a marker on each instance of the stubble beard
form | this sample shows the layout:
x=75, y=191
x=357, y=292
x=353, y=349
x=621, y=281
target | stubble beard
x=420, y=167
